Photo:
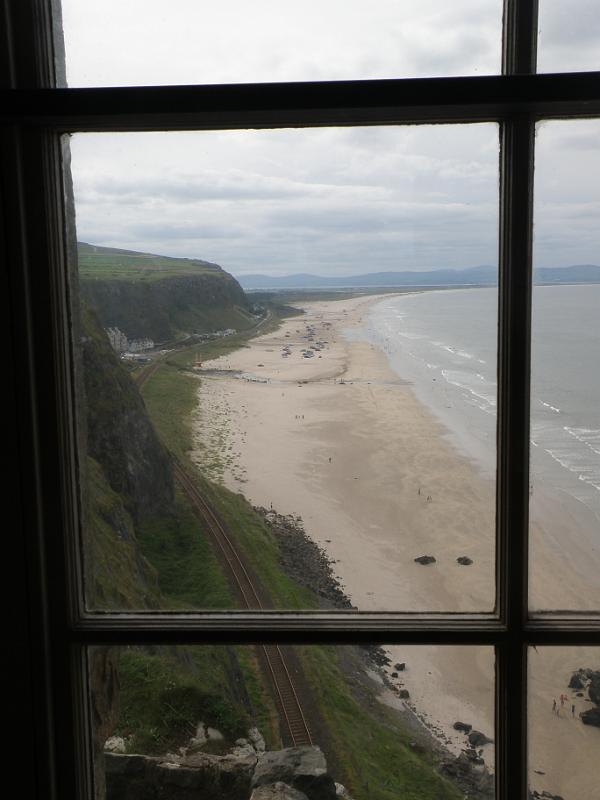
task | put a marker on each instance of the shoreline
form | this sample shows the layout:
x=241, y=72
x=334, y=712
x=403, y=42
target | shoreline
x=340, y=440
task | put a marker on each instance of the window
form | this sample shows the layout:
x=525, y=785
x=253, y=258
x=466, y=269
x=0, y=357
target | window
x=50, y=668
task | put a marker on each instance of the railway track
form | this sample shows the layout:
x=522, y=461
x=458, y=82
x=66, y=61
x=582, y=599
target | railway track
x=146, y=373
x=275, y=663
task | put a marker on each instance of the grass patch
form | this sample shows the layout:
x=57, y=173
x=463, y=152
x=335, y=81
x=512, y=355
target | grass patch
x=259, y=546
x=128, y=265
x=117, y=577
x=374, y=753
x=165, y=692
x=189, y=575
x=171, y=395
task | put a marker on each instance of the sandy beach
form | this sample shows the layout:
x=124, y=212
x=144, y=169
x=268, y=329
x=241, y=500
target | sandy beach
x=340, y=440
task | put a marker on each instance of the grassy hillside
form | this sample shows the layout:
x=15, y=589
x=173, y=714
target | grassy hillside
x=111, y=263
x=158, y=297
x=166, y=691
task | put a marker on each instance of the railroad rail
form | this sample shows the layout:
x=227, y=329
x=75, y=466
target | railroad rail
x=142, y=376
x=274, y=660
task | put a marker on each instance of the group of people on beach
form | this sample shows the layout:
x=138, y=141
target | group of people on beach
x=557, y=709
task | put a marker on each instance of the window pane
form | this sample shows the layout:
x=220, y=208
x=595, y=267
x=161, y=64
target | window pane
x=564, y=721
x=142, y=42
x=569, y=36
x=338, y=435
x=565, y=403
x=216, y=722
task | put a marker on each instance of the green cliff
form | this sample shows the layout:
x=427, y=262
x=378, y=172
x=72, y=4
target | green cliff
x=158, y=297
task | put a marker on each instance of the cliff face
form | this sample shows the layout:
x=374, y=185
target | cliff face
x=120, y=436
x=159, y=309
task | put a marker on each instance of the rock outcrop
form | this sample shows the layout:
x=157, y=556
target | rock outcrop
x=133, y=777
x=277, y=791
x=158, y=309
x=302, y=768
x=120, y=436
x=588, y=679
x=296, y=773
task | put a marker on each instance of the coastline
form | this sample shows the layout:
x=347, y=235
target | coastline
x=341, y=441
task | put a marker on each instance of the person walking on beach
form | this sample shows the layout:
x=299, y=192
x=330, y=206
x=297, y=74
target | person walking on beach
x=573, y=710
x=554, y=705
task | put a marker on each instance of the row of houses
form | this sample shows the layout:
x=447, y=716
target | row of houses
x=121, y=344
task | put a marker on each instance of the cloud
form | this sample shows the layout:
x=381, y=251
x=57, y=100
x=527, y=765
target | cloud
x=289, y=200
x=322, y=198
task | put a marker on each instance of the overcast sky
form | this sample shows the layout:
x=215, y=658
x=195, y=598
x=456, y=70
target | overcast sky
x=327, y=201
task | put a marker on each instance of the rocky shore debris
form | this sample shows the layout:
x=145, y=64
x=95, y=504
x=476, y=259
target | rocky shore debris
x=425, y=560
x=545, y=795
x=465, y=561
x=470, y=773
x=303, y=560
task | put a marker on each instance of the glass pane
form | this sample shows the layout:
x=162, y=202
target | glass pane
x=340, y=440
x=218, y=722
x=564, y=722
x=142, y=42
x=569, y=36
x=565, y=400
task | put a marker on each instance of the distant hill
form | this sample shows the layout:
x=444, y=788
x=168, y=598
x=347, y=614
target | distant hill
x=474, y=276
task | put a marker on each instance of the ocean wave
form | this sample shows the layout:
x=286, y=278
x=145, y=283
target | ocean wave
x=477, y=386
x=551, y=407
x=590, y=437
x=577, y=463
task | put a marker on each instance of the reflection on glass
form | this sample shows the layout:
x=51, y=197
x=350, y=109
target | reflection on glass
x=564, y=721
x=219, y=721
x=565, y=400
x=326, y=445
x=569, y=35
x=268, y=40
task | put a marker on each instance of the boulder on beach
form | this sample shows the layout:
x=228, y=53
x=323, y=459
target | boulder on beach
x=400, y=667
x=462, y=726
x=464, y=560
x=425, y=560
x=591, y=717
x=576, y=682
x=594, y=687
x=477, y=738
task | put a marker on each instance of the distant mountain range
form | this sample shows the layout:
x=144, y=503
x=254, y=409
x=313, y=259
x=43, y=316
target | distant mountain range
x=474, y=276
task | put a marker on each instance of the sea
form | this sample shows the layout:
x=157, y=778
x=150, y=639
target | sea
x=444, y=343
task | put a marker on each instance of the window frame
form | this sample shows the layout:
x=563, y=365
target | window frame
x=37, y=230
